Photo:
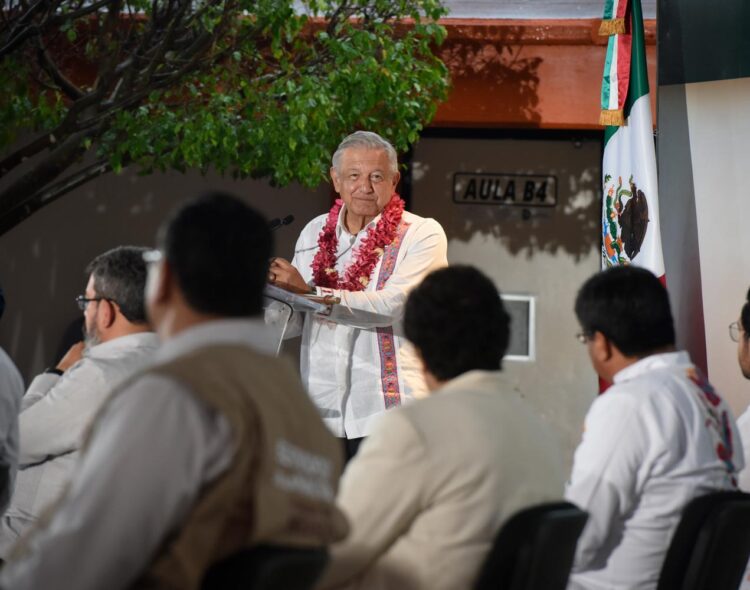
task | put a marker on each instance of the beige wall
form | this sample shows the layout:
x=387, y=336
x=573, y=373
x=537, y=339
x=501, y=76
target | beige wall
x=719, y=122
x=42, y=259
x=547, y=256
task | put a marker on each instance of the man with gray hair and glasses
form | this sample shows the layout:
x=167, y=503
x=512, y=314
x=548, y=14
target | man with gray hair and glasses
x=62, y=401
x=369, y=253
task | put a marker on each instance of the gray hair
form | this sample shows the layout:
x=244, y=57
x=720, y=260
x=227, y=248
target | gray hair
x=367, y=140
x=120, y=275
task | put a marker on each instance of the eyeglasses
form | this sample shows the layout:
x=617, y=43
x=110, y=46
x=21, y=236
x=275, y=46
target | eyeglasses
x=84, y=301
x=734, y=331
x=582, y=337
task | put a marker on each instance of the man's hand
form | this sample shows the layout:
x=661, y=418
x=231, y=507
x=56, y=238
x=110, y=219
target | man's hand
x=71, y=357
x=284, y=275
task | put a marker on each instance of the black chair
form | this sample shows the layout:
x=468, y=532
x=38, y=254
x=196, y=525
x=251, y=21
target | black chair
x=534, y=550
x=267, y=568
x=711, y=545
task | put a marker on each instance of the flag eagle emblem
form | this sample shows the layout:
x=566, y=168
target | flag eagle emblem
x=625, y=222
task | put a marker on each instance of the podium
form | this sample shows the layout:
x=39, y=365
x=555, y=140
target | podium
x=280, y=306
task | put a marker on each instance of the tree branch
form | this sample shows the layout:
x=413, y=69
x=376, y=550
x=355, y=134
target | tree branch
x=15, y=215
x=75, y=15
x=22, y=29
x=73, y=181
x=30, y=149
x=45, y=171
x=45, y=61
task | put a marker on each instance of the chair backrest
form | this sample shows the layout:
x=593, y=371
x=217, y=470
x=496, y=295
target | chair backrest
x=534, y=550
x=267, y=567
x=711, y=545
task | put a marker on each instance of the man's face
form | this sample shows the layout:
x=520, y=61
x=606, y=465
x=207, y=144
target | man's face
x=596, y=346
x=364, y=181
x=91, y=334
x=743, y=352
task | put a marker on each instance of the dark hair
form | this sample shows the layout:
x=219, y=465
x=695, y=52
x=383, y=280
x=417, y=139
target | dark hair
x=457, y=321
x=630, y=307
x=745, y=317
x=218, y=248
x=120, y=275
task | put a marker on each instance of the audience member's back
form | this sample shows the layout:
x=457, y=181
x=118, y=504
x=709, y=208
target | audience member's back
x=211, y=450
x=740, y=332
x=61, y=402
x=657, y=438
x=11, y=391
x=433, y=484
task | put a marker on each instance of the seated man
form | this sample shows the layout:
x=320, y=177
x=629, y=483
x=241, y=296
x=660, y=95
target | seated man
x=213, y=449
x=659, y=437
x=11, y=391
x=436, y=479
x=61, y=402
x=740, y=332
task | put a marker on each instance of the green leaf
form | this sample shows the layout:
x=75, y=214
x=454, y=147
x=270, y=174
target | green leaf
x=270, y=96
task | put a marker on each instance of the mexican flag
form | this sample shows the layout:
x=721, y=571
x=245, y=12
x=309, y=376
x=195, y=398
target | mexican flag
x=630, y=204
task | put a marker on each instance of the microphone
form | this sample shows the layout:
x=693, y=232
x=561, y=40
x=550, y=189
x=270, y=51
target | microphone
x=275, y=224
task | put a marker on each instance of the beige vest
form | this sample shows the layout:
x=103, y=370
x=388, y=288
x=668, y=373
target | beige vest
x=283, y=478
x=282, y=482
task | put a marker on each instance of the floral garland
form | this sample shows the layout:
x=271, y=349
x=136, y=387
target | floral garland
x=357, y=274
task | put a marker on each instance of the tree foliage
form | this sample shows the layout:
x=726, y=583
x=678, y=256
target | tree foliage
x=262, y=88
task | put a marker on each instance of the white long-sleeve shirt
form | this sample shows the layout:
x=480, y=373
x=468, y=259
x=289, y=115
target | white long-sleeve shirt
x=349, y=358
x=152, y=452
x=659, y=437
x=743, y=425
x=56, y=412
x=11, y=391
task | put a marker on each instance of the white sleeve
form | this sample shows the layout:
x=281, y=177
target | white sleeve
x=152, y=452
x=297, y=318
x=425, y=252
x=11, y=390
x=38, y=389
x=378, y=510
x=743, y=426
x=55, y=424
x=605, y=475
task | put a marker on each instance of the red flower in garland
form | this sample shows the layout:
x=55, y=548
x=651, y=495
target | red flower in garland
x=357, y=274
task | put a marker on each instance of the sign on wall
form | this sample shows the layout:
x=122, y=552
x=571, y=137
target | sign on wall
x=520, y=190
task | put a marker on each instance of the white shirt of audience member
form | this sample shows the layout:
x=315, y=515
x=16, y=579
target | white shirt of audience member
x=743, y=424
x=11, y=392
x=657, y=438
x=57, y=411
x=134, y=463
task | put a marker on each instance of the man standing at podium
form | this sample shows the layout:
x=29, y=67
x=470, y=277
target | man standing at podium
x=368, y=252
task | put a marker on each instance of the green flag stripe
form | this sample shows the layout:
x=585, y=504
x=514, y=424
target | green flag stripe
x=638, y=71
x=608, y=9
x=609, y=132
